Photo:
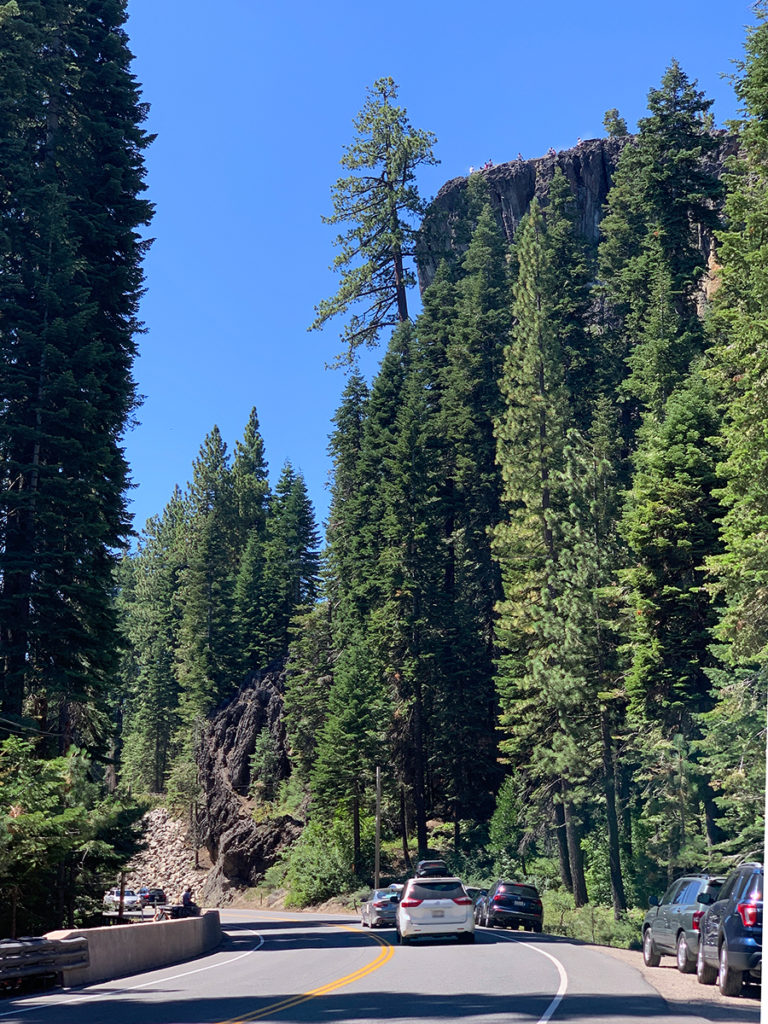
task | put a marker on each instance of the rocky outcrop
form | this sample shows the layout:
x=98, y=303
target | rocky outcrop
x=168, y=860
x=589, y=167
x=240, y=848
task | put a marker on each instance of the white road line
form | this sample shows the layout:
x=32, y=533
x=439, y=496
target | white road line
x=560, y=970
x=132, y=988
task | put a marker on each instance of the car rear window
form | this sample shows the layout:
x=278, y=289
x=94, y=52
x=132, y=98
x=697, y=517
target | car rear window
x=423, y=889
x=515, y=889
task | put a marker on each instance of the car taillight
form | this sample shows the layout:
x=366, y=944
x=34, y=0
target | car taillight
x=463, y=901
x=380, y=903
x=497, y=899
x=695, y=918
x=410, y=903
x=748, y=914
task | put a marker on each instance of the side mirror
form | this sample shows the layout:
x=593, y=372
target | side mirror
x=654, y=901
x=705, y=898
x=394, y=899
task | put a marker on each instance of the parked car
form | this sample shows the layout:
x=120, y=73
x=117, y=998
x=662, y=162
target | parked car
x=131, y=900
x=432, y=869
x=671, y=926
x=434, y=906
x=476, y=895
x=731, y=943
x=379, y=909
x=513, y=905
x=152, y=897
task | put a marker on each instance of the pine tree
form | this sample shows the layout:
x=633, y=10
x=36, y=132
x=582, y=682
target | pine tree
x=741, y=366
x=345, y=562
x=251, y=496
x=350, y=742
x=379, y=199
x=150, y=621
x=206, y=652
x=530, y=436
x=663, y=195
x=290, y=574
x=71, y=213
x=308, y=682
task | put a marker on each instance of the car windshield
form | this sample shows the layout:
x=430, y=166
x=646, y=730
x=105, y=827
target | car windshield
x=449, y=889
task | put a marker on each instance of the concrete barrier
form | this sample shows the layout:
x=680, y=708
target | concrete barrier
x=120, y=949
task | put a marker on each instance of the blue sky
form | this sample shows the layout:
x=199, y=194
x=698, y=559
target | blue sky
x=252, y=103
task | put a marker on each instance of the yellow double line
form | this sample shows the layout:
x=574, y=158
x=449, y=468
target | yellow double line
x=387, y=952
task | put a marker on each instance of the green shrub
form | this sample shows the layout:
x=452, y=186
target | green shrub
x=593, y=923
x=320, y=863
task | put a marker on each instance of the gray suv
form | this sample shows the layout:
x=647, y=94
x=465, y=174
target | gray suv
x=671, y=926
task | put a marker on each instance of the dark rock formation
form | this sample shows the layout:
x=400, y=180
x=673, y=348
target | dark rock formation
x=589, y=167
x=241, y=849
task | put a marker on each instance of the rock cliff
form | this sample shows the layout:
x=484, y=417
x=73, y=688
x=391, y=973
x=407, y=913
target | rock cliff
x=240, y=848
x=589, y=167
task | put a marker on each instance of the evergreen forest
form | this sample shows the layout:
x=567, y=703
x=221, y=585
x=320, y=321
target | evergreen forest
x=540, y=605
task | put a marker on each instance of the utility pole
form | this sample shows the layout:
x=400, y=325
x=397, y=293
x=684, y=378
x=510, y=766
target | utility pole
x=377, y=864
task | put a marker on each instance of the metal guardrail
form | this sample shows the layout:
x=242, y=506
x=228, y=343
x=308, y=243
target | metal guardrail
x=24, y=958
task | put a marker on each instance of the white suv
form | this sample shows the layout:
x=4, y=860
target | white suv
x=435, y=906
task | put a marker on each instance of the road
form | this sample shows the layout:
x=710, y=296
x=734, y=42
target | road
x=309, y=968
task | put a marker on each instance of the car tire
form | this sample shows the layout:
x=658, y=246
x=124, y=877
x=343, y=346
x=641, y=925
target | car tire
x=539, y=928
x=466, y=938
x=650, y=957
x=729, y=981
x=705, y=974
x=683, y=954
x=489, y=921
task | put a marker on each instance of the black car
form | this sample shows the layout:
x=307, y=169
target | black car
x=512, y=905
x=731, y=943
x=152, y=897
x=671, y=926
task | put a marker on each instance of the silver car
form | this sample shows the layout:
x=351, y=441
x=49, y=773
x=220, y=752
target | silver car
x=131, y=900
x=379, y=909
x=435, y=906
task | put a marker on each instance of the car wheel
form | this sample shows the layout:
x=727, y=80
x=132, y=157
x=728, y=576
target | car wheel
x=728, y=980
x=684, y=962
x=538, y=927
x=705, y=974
x=650, y=957
x=467, y=938
x=488, y=921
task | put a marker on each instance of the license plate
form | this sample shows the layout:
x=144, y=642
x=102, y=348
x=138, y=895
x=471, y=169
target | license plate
x=438, y=913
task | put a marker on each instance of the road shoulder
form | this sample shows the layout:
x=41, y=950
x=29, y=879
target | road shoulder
x=684, y=994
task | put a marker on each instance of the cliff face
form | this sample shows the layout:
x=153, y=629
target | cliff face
x=589, y=168
x=241, y=849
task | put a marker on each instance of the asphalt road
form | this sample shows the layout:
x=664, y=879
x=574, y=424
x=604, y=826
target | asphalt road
x=308, y=968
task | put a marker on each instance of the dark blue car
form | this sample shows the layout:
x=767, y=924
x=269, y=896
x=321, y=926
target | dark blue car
x=731, y=930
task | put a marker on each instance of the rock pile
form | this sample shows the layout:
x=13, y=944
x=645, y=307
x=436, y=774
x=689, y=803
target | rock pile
x=168, y=862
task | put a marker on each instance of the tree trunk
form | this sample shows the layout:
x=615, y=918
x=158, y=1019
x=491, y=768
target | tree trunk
x=404, y=829
x=614, y=855
x=562, y=847
x=575, y=857
x=356, y=855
